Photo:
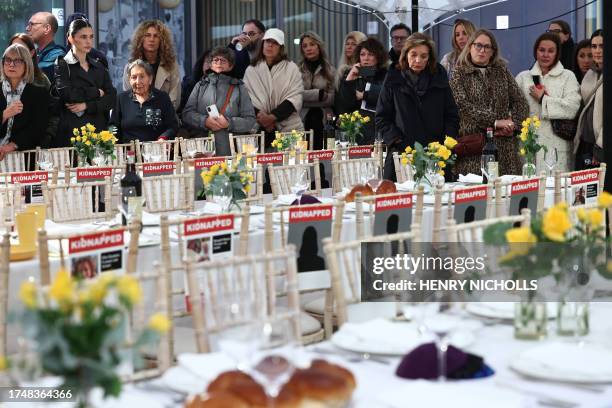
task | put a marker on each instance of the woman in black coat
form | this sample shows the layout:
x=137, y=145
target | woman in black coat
x=24, y=106
x=86, y=92
x=360, y=86
x=416, y=103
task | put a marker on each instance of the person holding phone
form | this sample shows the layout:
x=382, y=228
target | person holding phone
x=220, y=103
x=552, y=92
x=360, y=88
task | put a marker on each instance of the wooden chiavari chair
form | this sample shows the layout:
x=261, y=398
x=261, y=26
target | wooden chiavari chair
x=78, y=202
x=473, y=231
x=189, y=147
x=347, y=173
x=163, y=150
x=282, y=178
x=248, y=144
x=168, y=193
x=59, y=157
x=121, y=150
x=5, y=262
x=18, y=161
x=402, y=173
x=254, y=284
x=504, y=191
x=344, y=262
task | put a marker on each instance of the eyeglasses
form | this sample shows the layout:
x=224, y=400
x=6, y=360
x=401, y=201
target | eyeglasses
x=30, y=24
x=251, y=33
x=398, y=38
x=482, y=47
x=218, y=60
x=17, y=62
x=554, y=30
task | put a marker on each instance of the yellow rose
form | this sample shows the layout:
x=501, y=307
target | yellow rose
x=537, y=124
x=28, y=294
x=106, y=136
x=604, y=200
x=556, y=223
x=444, y=153
x=450, y=142
x=88, y=143
x=214, y=168
x=523, y=137
x=247, y=188
x=72, y=140
x=520, y=240
x=366, y=119
x=441, y=164
x=441, y=172
x=224, y=166
x=522, y=151
x=159, y=323
x=75, y=131
x=526, y=122
x=62, y=289
x=408, y=149
x=595, y=218
x=582, y=214
x=90, y=127
x=129, y=288
x=78, y=138
x=97, y=291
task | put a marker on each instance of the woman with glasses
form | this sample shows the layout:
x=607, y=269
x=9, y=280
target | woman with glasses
x=143, y=113
x=552, y=93
x=318, y=76
x=462, y=30
x=40, y=79
x=152, y=42
x=24, y=106
x=349, y=57
x=416, y=103
x=588, y=143
x=487, y=97
x=86, y=92
x=220, y=103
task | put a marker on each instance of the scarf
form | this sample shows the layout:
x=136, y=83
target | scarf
x=10, y=96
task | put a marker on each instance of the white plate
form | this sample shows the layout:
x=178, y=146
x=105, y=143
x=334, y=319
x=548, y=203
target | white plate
x=389, y=338
x=350, y=207
x=566, y=362
x=502, y=310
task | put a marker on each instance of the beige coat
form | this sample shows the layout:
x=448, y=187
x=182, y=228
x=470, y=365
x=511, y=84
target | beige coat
x=591, y=90
x=562, y=101
x=312, y=84
x=268, y=88
x=167, y=81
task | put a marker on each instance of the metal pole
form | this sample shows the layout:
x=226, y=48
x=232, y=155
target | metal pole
x=415, y=16
x=607, y=96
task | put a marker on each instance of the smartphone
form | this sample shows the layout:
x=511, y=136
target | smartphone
x=367, y=72
x=536, y=80
x=212, y=110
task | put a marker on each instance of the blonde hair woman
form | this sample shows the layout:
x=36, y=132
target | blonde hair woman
x=152, y=42
x=462, y=30
x=349, y=57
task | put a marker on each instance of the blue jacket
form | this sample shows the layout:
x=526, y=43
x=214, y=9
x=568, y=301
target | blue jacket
x=47, y=57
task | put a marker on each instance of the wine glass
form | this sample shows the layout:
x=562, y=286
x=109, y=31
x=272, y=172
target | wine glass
x=300, y=182
x=374, y=176
x=45, y=160
x=191, y=149
x=551, y=157
x=223, y=195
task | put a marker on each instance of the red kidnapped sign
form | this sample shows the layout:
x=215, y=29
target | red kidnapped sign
x=360, y=151
x=208, y=162
x=471, y=194
x=93, y=173
x=394, y=203
x=310, y=213
x=322, y=155
x=159, y=168
x=29, y=177
x=586, y=176
x=270, y=158
x=525, y=186
x=95, y=241
x=205, y=225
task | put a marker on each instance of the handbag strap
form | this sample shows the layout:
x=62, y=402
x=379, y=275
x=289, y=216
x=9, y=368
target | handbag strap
x=230, y=91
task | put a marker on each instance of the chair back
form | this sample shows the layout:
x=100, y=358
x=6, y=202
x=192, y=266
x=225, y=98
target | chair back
x=282, y=178
x=163, y=150
x=347, y=173
x=247, y=144
x=79, y=202
x=18, y=161
x=189, y=147
x=402, y=173
x=59, y=158
x=168, y=193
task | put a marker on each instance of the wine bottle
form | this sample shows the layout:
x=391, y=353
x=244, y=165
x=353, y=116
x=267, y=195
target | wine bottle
x=489, y=160
x=329, y=130
x=131, y=190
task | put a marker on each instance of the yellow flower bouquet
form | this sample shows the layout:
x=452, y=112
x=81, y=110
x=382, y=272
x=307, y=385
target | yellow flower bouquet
x=91, y=145
x=352, y=125
x=430, y=162
x=528, y=144
x=236, y=175
x=80, y=329
x=287, y=141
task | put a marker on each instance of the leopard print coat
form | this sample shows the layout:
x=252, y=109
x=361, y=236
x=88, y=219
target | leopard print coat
x=484, y=96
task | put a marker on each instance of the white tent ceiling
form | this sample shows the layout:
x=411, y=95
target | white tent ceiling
x=396, y=11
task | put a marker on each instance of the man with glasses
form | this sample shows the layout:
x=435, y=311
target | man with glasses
x=245, y=45
x=399, y=34
x=563, y=30
x=42, y=27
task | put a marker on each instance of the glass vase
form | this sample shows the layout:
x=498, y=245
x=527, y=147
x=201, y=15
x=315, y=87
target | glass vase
x=572, y=318
x=82, y=160
x=529, y=168
x=530, y=320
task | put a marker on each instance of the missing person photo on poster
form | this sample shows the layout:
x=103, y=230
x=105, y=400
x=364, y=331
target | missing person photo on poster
x=584, y=187
x=92, y=254
x=31, y=187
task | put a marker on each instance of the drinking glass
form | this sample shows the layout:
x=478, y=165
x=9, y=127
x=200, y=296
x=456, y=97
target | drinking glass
x=45, y=160
x=551, y=157
x=300, y=182
x=191, y=148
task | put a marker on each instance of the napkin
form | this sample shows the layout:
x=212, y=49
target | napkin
x=306, y=199
x=422, y=362
x=405, y=186
x=470, y=178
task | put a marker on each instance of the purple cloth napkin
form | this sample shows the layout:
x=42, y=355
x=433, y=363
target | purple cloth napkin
x=422, y=362
x=306, y=199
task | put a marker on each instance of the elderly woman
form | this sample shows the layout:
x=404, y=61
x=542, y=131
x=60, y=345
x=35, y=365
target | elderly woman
x=555, y=96
x=416, y=103
x=487, y=97
x=228, y=95
x=152, y=42
x=462, y=30
x=359, y=90
x=588, y=143
x=318, y=76
x=40, y=79
x=24, y=106
x=349, y=57
x=144, y=113
x=84, y=85
x=275, y=86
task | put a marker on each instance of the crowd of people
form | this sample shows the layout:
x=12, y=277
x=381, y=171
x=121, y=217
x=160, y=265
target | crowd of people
x=251, y=85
